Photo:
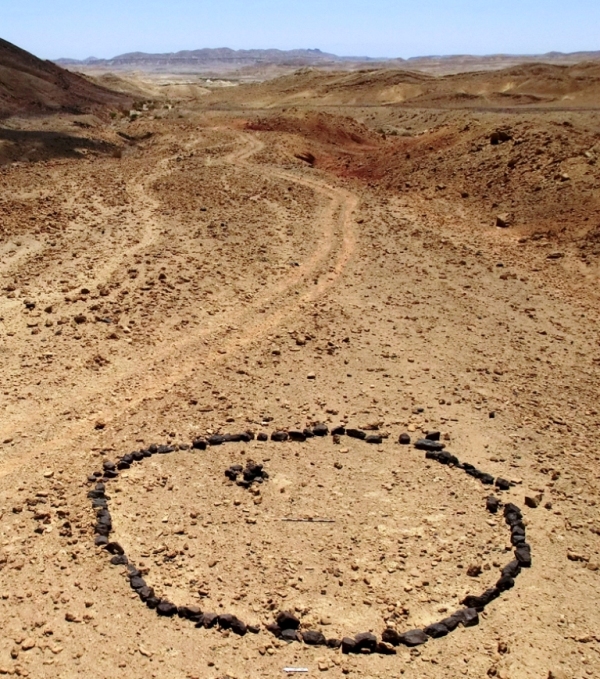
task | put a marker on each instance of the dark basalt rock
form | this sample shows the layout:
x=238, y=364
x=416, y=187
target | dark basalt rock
x=314, y=638
x=450, y=623
x=468, y=617
x=437, y=630
x=208, y=620
x=127, y=458
x=107, y=464
x=137, y=583
x=390, y=636
x=153, y=448
x=133, y=572
x=444, y=457
x=334, y=643
x=262, y=436
x=511, y=569
x=426, y=444
x=234, y=471
x=110, y=473
x=146, y=452
x=338, y=431
x=102, y=529
x=216, y=440
x=486, y=479
x=225, y=619
x=199, y=444
x=492, y=504
x=296, y=435
x=415, y=637
x=279, y=436
x=385, y=649
x=523, y=554
x=119, y=560
x=320, y=430
x=166, y=609
x=152, y=602
x=99, y=502
x=238, y=627
x=138, y=455
x=505, y=583
x=348, y=645
x=476, y=602
x=123, y=465
x=253, y=629
x=365, y=641
x=146, y=593
x=374, y=438
x=289, y=635
x=114, y=548
x=287, y=620
x=308, y=433
x=433, y=435
x=502, y=484
x=404, y=439
x=101, y=541
x=356, y=433
x=189, y=613
x=274, y=628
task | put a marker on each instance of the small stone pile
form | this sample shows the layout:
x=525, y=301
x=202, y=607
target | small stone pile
x=287, y=625
x=253, y=473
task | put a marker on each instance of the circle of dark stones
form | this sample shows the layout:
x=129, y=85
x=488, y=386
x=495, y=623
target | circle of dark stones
x=286, y=626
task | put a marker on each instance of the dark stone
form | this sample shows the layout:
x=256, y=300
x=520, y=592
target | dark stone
x=107, y=464
x=502, y=484
x=274, y=628
x=208, y=620
x=262, y=436
x=216, y=440
x=123, y=465
x=426, y=444
x=505, y=583
x=232, y=473
x=390, y=636
x=314, y=638
x=199, y=444
x=433, y=435
x=127, y=458
x=320, y=430
x=289, y=635
x=225, y=620
x=415, y=637
x=512, y=569
x=296, y=435
x=523, y=554
x=366, y=640
x=234, y=438
x=145, y=593
x=152, y=602
x=492, y=504
x=451, y=623
x=189, y=613
x=279, y=436
x=287, y=620
x=110, y=473
x=348, y=645
x=437, y=630
x=99, y=502
x=146, y=452
x=444, y=457
x=374, y=438
x=253, y=629
x=338, y=431
x=166, y=609
x=308, y=433
x=119, y=560
x=510, y=508
x=238, y=627
x=114, y=548
x=404, y=439
x=138, y=455
x=137, y=582
x=432, y=455
x=476, y=602
x=133, y=572
x=385, y=649
x=334, y=643
x=102, y=529
x=486, y=479
x=356, y=433
x=101, y=541
x=468, y=617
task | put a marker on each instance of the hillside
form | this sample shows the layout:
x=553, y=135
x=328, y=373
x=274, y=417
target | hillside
x=30, y=85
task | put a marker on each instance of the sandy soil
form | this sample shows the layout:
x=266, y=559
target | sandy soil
x=208, y=281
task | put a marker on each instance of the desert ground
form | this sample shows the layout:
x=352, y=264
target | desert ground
x=376, y=254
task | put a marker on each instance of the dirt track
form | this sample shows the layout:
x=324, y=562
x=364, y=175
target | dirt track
x=229, y=287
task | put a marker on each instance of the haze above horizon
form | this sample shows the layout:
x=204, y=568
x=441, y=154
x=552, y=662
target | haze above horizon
x=380, y=28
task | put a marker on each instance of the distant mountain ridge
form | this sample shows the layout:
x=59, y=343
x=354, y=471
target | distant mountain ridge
x=225, y=59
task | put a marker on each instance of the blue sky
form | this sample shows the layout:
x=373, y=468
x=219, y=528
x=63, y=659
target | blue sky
x=82, y=28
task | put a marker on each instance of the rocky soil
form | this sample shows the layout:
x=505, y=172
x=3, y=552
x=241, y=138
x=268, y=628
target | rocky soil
x=205, y=279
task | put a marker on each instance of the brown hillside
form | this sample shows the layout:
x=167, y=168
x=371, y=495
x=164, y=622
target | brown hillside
x=30, y=85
